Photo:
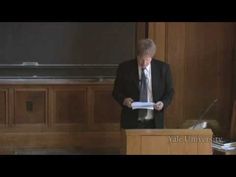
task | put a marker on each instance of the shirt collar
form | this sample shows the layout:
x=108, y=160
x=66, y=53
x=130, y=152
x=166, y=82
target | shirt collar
x=147, y=68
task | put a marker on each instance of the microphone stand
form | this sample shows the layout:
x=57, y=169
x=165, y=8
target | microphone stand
x=204, y=113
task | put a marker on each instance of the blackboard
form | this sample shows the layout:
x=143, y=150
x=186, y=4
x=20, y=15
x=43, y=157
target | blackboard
x=67, y=42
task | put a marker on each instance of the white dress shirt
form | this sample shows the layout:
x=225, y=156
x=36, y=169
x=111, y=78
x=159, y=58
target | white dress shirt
x=148, y=75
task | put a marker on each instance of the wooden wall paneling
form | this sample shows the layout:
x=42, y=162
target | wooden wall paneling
x=234, y=75
x=141, y=30
x=70, y=107
x=225, y=61
x=157, y=31
x=200, y=69
x=176, y=58
x=105, y=110
x=83, y=140
x=208, y=74
x=104, y=134
x=234, y=66
x=30, y=106
x=200, y=56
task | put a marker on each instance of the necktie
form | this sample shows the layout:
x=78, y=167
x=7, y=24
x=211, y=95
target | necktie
x=143, y=95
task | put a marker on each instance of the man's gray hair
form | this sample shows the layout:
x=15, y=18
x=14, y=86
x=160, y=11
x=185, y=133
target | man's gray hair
x=146, y=47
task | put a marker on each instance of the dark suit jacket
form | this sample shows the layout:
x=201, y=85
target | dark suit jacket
x=127, y=85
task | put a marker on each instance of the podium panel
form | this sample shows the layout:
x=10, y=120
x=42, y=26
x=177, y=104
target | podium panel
x=166, y=142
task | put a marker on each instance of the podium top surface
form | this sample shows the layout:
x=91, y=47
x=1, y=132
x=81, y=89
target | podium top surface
x=167, y=132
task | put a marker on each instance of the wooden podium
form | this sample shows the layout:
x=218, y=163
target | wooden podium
x=166, y=142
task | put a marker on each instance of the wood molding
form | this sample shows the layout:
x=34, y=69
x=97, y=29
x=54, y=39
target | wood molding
x=4, y=107
x=65, y=140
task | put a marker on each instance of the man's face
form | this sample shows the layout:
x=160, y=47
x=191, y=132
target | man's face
x=144, y=61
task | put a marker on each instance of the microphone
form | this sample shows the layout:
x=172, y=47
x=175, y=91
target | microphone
x=204, y=113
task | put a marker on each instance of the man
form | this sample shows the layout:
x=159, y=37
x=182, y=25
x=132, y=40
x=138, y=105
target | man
x=147, y=80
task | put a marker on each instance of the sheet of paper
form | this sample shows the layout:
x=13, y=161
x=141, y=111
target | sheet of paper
x=142, y=105
x=228, y=148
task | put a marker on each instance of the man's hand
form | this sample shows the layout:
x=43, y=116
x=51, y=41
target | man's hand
x=127, y=102
x=159, y=105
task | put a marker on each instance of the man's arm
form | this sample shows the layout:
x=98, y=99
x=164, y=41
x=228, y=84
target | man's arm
x=169, y=90
x=118, y=89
